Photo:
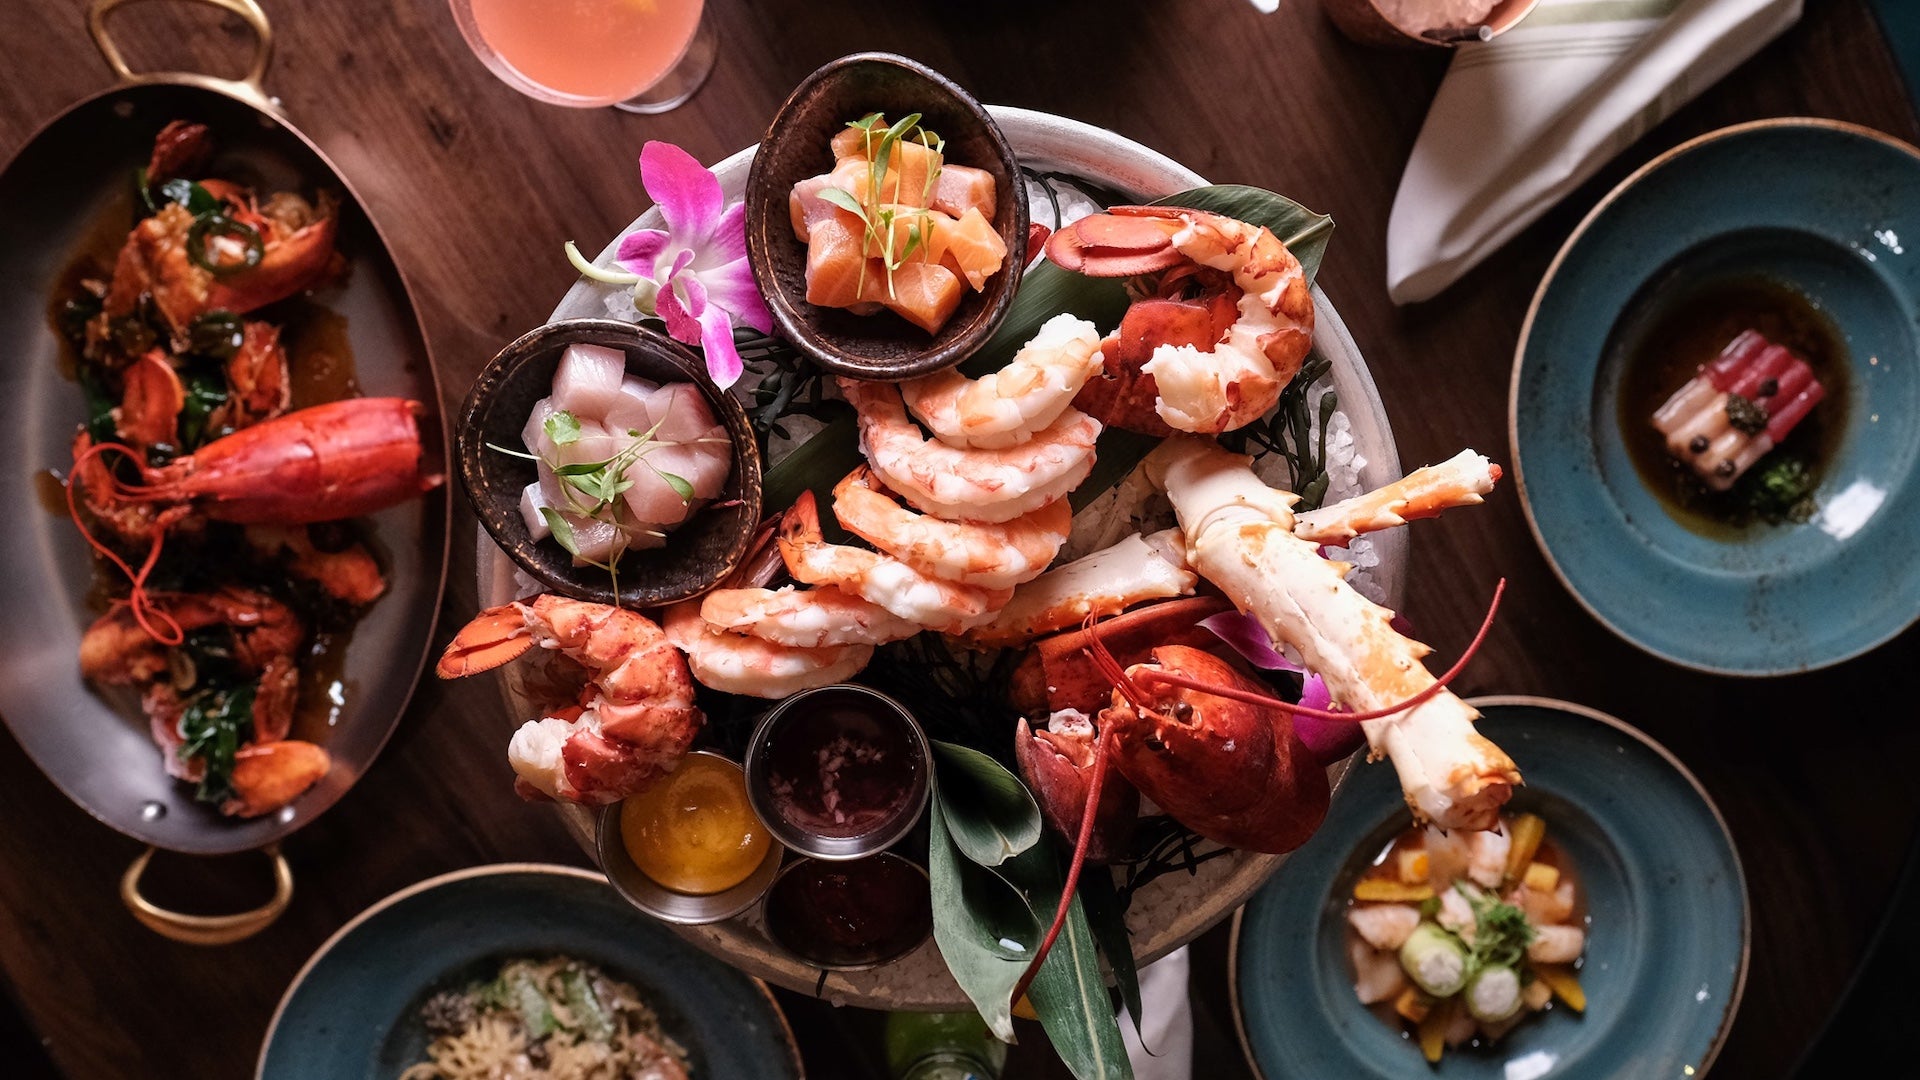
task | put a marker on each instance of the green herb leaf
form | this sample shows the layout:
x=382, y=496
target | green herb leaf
x=1501, y=933
x=214, y=724
x=206, y=390
x=844, y=199
x=679, y=485
x=196, y=199
x=990, y=813
x=562, y=530
x=563, y=428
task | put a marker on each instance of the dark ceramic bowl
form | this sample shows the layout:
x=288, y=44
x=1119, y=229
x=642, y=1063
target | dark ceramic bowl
x=796, y=146
x=699, y=553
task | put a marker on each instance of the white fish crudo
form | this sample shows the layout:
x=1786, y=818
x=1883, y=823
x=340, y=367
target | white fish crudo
x=622, y=461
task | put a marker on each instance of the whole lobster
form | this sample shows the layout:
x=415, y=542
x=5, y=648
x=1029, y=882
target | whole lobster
x=325, y=463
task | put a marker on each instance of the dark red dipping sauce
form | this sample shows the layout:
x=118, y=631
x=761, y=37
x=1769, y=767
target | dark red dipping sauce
x=841, y=765
x=850, y=914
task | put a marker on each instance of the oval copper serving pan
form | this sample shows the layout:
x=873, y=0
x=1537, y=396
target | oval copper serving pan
x=69, y=177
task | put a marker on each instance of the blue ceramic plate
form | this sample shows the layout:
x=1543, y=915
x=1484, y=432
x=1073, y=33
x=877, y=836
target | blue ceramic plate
x=1666, y=952
x=353, y=1011
x=1829, y=210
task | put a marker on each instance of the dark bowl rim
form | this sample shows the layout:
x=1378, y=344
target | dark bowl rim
x=727, y=409
x=1000, y=289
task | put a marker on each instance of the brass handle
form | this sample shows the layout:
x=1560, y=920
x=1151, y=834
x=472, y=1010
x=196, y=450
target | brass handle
x=207, y=929
x=250, y=87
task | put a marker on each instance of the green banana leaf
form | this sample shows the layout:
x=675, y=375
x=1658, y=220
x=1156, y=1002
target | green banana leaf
x=1108, y=918
x=975, y=914
x=990, y=814
x=1070, y=994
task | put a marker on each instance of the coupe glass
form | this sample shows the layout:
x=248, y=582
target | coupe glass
x=644, y=56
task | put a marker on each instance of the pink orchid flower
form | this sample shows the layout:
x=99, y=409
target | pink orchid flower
x=694, y=273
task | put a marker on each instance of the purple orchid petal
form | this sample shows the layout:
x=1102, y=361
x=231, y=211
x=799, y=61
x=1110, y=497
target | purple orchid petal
x=729, y=239
x=732, y=287
x=1330, y=740
x=640, y=249
x=681, y=302
x=1247, y=637
x=688, y=195
x=716, y=338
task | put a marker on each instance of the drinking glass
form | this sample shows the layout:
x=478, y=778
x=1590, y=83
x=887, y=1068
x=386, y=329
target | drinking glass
x=644, y=56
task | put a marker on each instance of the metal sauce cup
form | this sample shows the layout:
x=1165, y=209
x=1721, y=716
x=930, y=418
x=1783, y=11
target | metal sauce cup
x=873, y=718
x=663, y=903
x=861, y=947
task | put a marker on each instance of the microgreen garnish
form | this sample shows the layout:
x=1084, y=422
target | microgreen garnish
x=1501, y=933
x=879, y=214
x=563, y=428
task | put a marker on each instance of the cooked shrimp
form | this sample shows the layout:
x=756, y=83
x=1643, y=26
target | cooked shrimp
x=1236, y=379
x=808, y=619
x=738, y=664
x=636, y=717
x=970, y=485
x=992, y=556
x=1107, y=582
x=1007, y=407
x=927, y=601
x=1423, y=493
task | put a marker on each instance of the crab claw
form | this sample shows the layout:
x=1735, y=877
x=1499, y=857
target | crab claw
x=496, y=636
x=1116, y=244
x=1057, y=764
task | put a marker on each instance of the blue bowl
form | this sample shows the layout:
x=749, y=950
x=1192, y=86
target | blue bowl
x=1666, y=952
x=1828, y=210
x=353, y=1011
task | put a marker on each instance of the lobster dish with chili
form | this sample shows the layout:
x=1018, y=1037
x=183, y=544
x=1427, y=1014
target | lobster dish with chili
x=218, y=495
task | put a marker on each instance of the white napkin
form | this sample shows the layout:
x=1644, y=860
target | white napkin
x=1168, y=1025
x=1521, y=120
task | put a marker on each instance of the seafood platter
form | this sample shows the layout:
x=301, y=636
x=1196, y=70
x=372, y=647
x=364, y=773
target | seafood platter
x=942, y=557
x=1033, y=663
x=228, y=416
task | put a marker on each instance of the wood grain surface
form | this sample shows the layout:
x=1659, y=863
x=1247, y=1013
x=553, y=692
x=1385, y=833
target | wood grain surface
x=478, y=186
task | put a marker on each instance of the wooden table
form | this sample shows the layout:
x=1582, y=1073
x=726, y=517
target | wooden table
x=477, y=187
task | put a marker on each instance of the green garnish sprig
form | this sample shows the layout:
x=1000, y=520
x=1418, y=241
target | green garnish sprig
x=878, y=223
x=601, y=483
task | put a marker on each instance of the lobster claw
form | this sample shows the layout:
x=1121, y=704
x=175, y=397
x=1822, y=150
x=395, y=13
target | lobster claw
x=1057, y=766
x=1115, y=245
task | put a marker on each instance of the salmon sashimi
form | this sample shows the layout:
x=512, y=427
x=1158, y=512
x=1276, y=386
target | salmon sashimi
x=924, y=294
x=972, y=248
x=924, y=233
x=960, y=188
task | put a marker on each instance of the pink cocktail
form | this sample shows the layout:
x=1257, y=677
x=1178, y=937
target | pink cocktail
x=640, y=55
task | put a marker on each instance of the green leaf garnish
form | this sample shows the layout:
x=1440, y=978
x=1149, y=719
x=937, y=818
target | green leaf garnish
x=680, y=486
x=563, y=428
x=990, y=813
x=844, y=199
x=562, y=530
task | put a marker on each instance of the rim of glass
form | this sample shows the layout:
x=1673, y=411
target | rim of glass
x=513, y=77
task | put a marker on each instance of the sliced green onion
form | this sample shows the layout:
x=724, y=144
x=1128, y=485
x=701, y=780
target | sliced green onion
x=208, y=226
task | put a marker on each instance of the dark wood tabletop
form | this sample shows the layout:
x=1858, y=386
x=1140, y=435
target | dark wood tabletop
x=476, y=187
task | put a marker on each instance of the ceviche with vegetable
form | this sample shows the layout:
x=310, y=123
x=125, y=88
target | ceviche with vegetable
x=1461, y=936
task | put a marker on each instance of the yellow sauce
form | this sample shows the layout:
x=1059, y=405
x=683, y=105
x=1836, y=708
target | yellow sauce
x=694, y=832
